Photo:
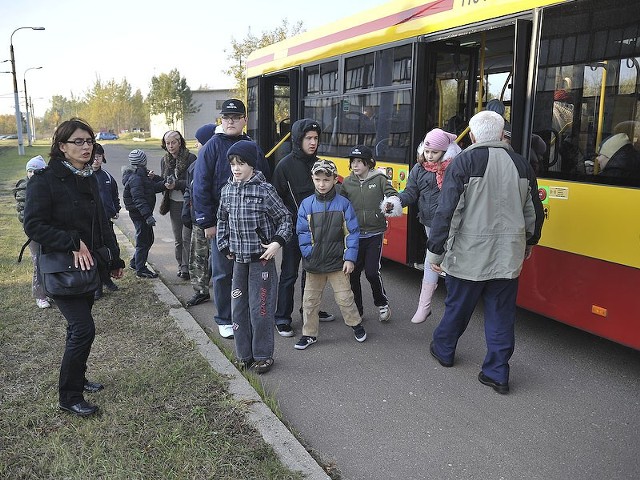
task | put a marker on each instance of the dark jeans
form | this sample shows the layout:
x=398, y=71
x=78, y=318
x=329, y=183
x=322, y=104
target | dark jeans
x=221, y=274
x=499, y=297
x=252, y=306
x=369, y=255
x=144, y=241
x=80, y=334
x=289, y=267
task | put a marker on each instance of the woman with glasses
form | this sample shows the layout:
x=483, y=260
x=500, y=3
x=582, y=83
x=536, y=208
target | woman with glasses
x=63, y=212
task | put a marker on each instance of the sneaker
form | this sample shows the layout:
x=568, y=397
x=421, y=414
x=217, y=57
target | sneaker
x=385, y=313
x=226, y=331
x=284, y=330
x=198, y=298
x=184, y=275
x=325, y=316
x=146, y=273
x=304, y=342
x=262, y=366
x=359, y=333
x=43, y=303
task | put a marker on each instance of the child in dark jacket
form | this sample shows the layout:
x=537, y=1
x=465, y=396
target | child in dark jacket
x=369, y=191
x=139, y=197
x=253, y=224
x=20, y=194
x=328, y=232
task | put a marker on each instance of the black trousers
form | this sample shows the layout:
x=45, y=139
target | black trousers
x=80, y=334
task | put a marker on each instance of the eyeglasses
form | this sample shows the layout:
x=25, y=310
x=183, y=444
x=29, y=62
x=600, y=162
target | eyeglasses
x=232, y=118
x=81, y=141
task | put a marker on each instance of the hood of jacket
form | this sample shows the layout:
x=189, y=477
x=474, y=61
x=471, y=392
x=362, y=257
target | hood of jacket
x=298, y=130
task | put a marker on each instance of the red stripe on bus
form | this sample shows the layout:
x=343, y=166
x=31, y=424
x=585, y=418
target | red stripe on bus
x=424, y=10
x=602, y=298
x=259, y=61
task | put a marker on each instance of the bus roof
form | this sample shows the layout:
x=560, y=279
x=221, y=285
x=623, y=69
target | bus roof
x=393, y=21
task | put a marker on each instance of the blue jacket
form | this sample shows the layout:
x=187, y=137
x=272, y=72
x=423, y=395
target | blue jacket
x=245, y=206
x=108, y=192
x=211, y=174
x=328, y=232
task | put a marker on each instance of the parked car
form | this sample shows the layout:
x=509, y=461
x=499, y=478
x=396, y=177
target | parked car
x=106, y=136
x=11, y=136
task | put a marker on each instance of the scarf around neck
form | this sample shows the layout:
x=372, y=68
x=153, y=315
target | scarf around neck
x=438, y=168
x=87, y=171
x=176, y=166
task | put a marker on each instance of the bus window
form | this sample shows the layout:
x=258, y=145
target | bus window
x=586, y=95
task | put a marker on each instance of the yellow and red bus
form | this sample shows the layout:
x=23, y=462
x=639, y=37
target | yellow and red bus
x=568, y=71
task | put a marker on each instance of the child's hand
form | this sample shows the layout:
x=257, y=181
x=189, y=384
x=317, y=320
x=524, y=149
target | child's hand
x=348, y=267
x=271, y=250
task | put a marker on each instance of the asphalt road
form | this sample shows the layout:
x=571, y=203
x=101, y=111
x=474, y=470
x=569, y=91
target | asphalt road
x=384, y=409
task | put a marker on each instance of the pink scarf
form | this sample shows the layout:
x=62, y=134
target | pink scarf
x=438, y=168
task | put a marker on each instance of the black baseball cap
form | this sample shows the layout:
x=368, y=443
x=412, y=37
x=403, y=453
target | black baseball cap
x=361, y=151
x=233, y=105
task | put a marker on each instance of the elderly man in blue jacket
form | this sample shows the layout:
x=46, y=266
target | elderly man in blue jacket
x=488, y=219
x=211, y=173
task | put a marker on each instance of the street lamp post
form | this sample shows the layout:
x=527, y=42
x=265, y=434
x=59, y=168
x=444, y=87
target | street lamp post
x=26, y=103
x=15, y=89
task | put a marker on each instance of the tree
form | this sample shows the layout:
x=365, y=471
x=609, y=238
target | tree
x=170, y=95
x=240, y=50
x=111, y=106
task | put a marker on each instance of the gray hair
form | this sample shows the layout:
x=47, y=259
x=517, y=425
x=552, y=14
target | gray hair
x=487, y=126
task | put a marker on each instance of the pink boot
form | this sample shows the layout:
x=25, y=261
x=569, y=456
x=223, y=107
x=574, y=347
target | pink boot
x=424, y=304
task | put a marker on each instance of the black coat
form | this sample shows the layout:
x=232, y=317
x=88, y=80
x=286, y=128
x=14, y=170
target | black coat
x=62, y=208
x=139, y=194
x=625, y=163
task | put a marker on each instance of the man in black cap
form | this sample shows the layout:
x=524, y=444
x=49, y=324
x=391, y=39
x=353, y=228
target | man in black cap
x=211, y=173
x=292, y=179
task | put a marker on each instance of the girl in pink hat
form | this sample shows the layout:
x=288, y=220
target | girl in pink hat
x=424, y=183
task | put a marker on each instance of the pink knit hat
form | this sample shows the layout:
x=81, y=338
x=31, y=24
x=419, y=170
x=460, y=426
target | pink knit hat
x=438, y=139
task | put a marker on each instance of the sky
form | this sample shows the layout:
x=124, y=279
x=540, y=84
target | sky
x=136, y=39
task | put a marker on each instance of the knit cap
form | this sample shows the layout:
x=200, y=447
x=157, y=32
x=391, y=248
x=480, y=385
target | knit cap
x=437, y=139
x=614, y=143
x=137, y=158
x=497, y=106
x=205, y=132
x=246, y=150
x=36, y=163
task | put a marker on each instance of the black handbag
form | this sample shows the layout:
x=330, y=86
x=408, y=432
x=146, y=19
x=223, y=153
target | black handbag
x=60, y=278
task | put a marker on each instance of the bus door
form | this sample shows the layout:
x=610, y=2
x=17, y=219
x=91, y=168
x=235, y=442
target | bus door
x=444, y=98
x=272, y=108
x=449, y=95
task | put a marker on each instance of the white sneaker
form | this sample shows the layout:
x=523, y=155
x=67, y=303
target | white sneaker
x=43, y=303
x=226, y=331
x=385, y=313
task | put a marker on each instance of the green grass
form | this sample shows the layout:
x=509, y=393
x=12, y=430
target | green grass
x=164, y=413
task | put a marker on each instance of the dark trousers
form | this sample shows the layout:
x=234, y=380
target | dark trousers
x=499, y=297
x=80, y=334
x=221, y=274
x=289, y=267
x=369, y=255
x=253, y=297
x=144, y=241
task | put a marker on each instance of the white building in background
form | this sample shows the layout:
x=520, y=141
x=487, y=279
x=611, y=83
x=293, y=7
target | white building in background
x=210, y=102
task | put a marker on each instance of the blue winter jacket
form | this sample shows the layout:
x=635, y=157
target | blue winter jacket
x=211, y=174
x=328, y=232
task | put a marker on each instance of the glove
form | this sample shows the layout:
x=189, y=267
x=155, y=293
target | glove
x=151, y=221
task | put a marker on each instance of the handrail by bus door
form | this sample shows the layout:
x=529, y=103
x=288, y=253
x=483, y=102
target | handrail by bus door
x=284, y=139
x=603, y=91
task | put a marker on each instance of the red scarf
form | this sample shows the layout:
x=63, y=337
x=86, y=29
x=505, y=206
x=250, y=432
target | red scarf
x=438, y=168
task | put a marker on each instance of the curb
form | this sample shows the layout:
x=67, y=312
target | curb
x=288, y=449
